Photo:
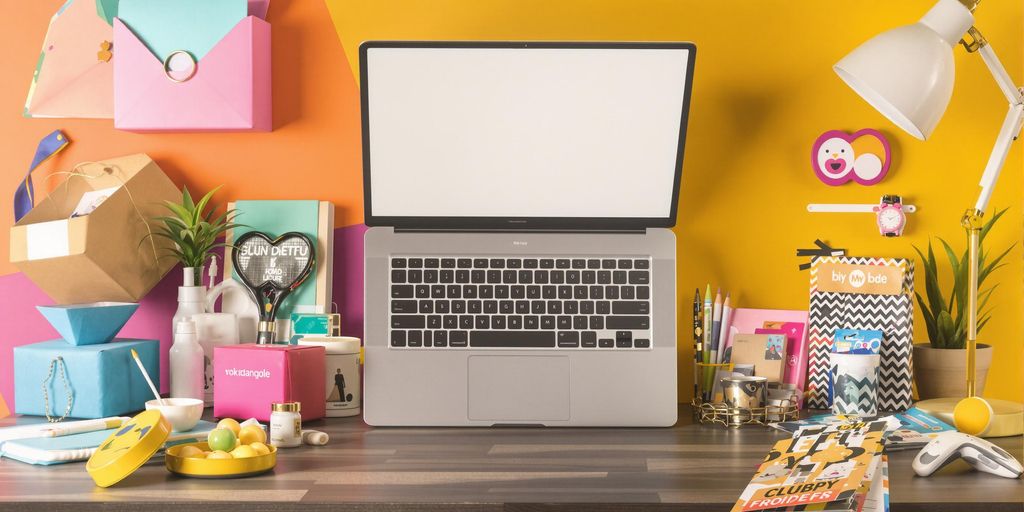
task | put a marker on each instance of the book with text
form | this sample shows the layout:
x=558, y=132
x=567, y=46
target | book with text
x=829, y=467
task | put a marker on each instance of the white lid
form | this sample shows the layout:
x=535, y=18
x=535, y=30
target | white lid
x=333, y=344
x=185, y=326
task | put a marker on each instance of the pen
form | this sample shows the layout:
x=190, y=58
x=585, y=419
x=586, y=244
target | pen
x=708, y=372
x=698, y=345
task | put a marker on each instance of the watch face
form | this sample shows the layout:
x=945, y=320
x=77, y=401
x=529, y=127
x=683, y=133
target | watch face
x=890, y=219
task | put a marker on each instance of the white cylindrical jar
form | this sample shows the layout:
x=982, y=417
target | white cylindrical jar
x=342, y=378
x=285, y=424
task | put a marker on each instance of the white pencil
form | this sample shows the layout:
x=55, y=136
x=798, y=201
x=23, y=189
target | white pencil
x=723, y=336
x=135, y=355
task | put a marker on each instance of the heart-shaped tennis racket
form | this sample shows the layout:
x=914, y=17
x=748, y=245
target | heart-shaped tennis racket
x=271, y=269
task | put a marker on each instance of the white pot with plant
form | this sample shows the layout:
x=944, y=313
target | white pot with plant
x=196, y=232
x=940, y=368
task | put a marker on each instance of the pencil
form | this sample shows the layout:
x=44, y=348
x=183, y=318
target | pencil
x=723, y=338
x=716, y=328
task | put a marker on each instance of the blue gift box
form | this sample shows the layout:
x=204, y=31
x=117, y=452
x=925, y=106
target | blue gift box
x=103, y=379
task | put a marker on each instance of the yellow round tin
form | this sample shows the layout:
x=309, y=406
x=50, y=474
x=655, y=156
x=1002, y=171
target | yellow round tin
x=128, y=448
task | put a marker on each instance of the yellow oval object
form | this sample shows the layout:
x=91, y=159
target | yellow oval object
x=191, y=452
x=230, y=424
x=244, y=451
x=252, y=434
x=213, y=467
x=260, y=448
x=128, y=448
x=973, y=415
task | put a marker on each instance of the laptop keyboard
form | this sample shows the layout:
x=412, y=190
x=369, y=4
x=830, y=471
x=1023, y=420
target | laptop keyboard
x=520, y=303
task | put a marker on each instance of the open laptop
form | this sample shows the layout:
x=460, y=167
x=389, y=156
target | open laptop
x=518, y=267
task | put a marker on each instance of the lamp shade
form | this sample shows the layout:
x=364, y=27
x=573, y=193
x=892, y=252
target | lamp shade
x=907, y=73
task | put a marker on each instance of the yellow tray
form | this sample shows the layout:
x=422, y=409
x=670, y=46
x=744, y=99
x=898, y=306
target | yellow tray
x=218, y=468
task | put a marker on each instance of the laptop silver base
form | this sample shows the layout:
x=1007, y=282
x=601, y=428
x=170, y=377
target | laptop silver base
x=556, y=387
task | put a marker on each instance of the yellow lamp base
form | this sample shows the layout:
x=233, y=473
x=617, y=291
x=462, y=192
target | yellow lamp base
x=1007, y=418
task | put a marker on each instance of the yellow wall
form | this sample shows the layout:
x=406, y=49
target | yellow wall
x=763, y=91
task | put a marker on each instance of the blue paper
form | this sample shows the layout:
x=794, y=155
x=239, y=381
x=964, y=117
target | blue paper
x=89, y=324
x=194, y=26
x=104, y=379
x=47, y=451
x=857, y=341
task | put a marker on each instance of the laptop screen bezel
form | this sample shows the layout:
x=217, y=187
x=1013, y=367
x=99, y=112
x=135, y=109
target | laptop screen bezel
x=522, y=223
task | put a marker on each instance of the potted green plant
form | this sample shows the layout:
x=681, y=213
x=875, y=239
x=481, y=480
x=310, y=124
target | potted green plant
x=195, y=231
x=940, y=366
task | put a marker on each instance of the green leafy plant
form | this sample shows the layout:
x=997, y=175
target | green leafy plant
x=946, y=319
x=194, y=229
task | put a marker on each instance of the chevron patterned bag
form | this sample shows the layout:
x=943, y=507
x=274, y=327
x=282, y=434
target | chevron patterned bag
x=862, y=293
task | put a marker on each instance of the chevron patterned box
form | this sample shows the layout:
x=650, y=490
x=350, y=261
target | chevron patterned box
x=862, y=293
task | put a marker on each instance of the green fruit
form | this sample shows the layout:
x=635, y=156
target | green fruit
x=221, y=439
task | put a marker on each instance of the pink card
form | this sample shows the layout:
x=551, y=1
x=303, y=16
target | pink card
x=791, y=323
x=796, y=350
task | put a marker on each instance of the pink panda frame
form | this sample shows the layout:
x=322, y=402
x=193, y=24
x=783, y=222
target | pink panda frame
x=836, y=154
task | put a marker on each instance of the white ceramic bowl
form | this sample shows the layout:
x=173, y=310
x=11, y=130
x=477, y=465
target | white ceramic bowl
x=182, y=413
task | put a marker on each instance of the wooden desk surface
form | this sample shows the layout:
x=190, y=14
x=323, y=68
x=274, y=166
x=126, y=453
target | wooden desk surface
x=687, y=467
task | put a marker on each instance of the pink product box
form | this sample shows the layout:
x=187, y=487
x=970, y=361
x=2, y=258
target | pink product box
x=249, y=378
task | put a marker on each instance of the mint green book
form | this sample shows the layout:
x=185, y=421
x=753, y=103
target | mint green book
x=312, y=218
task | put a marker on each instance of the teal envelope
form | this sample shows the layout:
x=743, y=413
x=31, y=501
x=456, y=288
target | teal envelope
x=195, y=26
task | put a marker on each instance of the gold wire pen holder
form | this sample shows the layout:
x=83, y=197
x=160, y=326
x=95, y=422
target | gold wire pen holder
x=708, y=407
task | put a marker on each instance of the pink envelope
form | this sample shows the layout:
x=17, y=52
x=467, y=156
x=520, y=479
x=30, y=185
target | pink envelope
x=230, y=90
x=71, y=80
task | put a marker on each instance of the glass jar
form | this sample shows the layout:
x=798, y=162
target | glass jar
x=285, y=424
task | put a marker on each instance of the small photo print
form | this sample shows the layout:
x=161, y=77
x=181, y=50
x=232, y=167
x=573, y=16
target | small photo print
x=773, y=348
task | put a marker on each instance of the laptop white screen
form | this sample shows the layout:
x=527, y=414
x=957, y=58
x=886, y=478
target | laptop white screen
x=525, y=132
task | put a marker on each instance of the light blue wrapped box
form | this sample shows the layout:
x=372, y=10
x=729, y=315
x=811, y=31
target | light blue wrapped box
x=104, y=380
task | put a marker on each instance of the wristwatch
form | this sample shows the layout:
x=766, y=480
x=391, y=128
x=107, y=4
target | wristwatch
x=890, y=216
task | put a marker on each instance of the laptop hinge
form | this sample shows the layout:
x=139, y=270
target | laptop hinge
x=639, y=231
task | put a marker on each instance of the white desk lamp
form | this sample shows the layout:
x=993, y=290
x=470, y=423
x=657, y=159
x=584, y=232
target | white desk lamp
x=907, y=74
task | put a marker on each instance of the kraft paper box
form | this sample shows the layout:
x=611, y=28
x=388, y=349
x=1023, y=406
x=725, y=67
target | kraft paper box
x=104, y=380
x=249, y=378
x=191, y=65
x=103, y=255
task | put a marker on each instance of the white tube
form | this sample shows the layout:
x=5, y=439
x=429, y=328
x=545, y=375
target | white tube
x=315, y=437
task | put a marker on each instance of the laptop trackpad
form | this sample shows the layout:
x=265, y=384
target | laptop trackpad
x=518, y=388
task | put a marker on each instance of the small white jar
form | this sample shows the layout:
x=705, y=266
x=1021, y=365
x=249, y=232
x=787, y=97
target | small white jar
x=285, y=424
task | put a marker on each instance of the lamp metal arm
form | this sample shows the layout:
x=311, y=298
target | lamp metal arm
x=1011, y=125
x=973, y=219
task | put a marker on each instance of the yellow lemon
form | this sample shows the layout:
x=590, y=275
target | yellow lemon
x=219, y=454
x=252, y=434
x=191, y=452
x=260, y=448
x=229, y=424
x=243, y=451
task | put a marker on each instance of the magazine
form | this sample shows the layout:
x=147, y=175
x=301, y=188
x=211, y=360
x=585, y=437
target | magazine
x=907, y=430
x=830, y=467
